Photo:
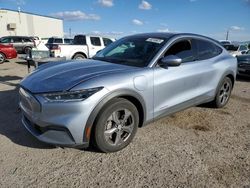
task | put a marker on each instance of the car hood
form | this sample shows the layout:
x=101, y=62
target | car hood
x=62, y=76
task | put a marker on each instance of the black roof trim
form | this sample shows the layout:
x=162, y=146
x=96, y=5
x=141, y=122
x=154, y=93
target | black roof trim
x=30, y=13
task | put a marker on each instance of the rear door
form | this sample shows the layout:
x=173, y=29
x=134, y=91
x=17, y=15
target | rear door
x=179, y=87
x=18, y=43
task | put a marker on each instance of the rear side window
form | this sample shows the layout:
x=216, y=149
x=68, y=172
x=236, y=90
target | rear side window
x=17, y=40
x=51, y=40
x=242, y=48
x=207, y=50
x=95, y=41
x=182, y=49
x=107, y=41
x=27, y=40
x=67, y=41
x=79, y=40
x=59, y=41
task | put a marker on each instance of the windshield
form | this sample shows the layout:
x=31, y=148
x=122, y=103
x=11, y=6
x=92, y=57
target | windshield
x=132, y=51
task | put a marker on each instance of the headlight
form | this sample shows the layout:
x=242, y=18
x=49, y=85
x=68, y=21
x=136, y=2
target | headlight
x=71, y=95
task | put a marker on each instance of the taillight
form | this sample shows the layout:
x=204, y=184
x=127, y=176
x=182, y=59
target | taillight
x=34, y=43
x=55, y=47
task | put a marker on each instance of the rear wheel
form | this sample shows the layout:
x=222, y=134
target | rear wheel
x=27, y=50
x=79, y=57
x=116, y=125
x=223, y=93
x=2, y=58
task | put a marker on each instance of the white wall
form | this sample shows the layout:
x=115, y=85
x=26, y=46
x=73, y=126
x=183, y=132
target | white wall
x=29, y=24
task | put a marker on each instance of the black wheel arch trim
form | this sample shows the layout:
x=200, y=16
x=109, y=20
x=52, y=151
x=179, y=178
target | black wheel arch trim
x=115, y=94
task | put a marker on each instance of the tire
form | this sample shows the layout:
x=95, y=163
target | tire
x=223, y=93
x=2, y=58
x=116, y=125
x=27, y=50
x=79, y=57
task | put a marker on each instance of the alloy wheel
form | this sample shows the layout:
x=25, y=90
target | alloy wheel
x=119, y=127
x=224, y=92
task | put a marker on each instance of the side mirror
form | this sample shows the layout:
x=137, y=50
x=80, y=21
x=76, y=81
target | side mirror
x=170, y=61
x=243, y=52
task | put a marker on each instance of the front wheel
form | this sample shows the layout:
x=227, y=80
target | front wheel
x=223, y=93
x=2, y=58
x=116, y=125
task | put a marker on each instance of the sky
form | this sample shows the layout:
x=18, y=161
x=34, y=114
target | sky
x=119, y=18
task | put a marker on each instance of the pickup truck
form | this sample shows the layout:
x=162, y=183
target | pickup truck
x=83, y=46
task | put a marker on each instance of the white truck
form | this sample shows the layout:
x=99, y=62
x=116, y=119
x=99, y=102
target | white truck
x=83, y=46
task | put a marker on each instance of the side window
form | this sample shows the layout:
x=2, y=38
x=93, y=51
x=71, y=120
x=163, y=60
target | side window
x=79, y=40
x=107, y=41
x=67, y=41
x=59, y=41
x=182, y=49
x=27, y=40
x=242, y=48
x=5, y=40
x=95, y=41
x=17, y=40
x=207, y=50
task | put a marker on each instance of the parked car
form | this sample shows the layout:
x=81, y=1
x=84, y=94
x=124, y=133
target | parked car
x=235, y=49
x=7, y=52
x=57, y=40
x=22, y=44
x=83, y=46
x=225, y=42
x=244, y=64
x=130, y=83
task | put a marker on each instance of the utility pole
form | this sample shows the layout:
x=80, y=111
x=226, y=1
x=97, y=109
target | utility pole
x=227, y=34
x=69, y=32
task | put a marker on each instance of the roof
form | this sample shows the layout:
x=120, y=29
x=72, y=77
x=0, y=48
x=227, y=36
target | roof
x=30, y=13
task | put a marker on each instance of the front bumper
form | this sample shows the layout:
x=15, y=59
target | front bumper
x=61, y=123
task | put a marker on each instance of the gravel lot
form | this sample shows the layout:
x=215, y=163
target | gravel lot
x=199, y=147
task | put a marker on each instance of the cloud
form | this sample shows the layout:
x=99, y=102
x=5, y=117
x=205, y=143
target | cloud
x=17, y=2
x=145, y=5
x=163, y=30
x=106, y=3
x=107, y=33
x=236, y=28
x=137, y=22
x=75, y=16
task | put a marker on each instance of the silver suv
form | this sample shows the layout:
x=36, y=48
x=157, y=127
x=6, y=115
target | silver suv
x=130, y=83
x=22, y=44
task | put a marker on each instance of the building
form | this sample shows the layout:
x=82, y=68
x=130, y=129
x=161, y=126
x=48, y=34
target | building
x=27, y=24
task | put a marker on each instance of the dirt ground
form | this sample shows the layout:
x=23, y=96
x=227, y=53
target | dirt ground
x=199, y=147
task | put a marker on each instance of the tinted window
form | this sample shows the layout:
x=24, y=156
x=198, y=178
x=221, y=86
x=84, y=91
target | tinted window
x=95, y=41
x=51, y=40
x=182, y=49
x=207, y=50
x=67, y=41
x=17, y=39
x=80, y=40
x=5, y=40
x=27, y=40
x=242, y=48
x=107, y=41
x=60, y=41
x=231, y=47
